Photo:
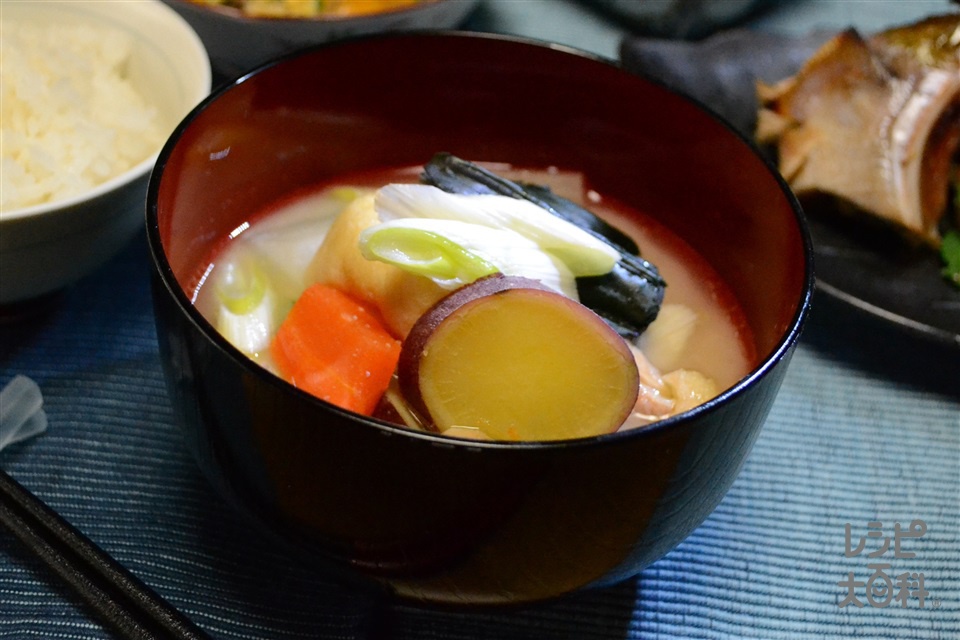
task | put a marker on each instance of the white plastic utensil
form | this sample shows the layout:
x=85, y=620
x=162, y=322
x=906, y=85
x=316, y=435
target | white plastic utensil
x=21, y=411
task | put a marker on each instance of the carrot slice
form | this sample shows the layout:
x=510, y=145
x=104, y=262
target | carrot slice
x=336, y=348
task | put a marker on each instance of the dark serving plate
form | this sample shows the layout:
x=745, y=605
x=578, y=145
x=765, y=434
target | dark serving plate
x=879, y=275
x=864, y=267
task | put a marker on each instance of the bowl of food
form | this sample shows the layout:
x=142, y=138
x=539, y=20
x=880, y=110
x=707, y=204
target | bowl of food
x=242, y=34
x=406, y=327
x=90, y=93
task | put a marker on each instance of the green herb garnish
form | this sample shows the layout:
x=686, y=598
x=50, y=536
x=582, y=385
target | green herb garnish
x=950, y=253
x=950, y=247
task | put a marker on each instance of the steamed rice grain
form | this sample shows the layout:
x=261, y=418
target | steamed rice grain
x=69, y=117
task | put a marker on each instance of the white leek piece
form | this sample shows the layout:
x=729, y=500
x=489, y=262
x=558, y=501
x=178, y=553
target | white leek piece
x=248, y=314
x=581, y=252
x=453, y=253
x=435, y=253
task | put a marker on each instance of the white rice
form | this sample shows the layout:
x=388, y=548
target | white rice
x=69, y=117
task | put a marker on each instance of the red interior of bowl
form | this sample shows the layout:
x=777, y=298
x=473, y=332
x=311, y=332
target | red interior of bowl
x=395, y=101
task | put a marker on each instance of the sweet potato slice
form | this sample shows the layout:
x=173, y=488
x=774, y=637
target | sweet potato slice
x=517, y=361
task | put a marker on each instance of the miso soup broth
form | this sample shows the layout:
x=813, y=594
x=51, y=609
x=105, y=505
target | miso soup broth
x=698, y=346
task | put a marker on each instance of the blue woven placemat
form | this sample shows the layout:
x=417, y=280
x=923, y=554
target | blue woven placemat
x=865, y=432
x=844, y=444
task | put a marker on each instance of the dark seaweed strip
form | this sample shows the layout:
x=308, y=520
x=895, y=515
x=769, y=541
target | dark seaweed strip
x=628, y=303
x=628, y=298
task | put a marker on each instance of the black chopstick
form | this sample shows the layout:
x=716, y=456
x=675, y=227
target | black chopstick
x=123, y=603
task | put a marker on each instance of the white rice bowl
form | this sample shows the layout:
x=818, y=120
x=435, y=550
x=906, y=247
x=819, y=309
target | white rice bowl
x=90, y=92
